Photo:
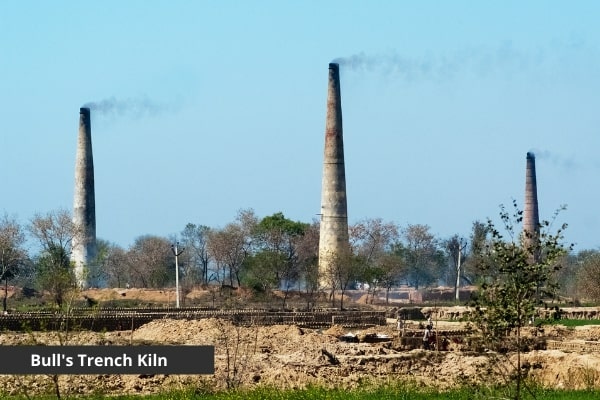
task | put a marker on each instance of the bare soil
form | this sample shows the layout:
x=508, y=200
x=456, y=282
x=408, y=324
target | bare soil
x=287, y=356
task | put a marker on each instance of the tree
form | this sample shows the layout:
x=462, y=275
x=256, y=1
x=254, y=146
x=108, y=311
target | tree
x=12, y=254
x=372, y=240
x=113, y=264
x=588, y=276
x=150, y=262
x=343, y=270
x=515, y=279
x=391, y=266
x=230, y=246
x=195, y=239
x=424, y=259
x=277, y=240
x=54, y=232
x=479, y=240
x=55, y=273
x=455, y=246
x=259, y=271
x=308, y=263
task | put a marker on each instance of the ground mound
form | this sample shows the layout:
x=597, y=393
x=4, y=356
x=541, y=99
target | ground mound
x=287, y=356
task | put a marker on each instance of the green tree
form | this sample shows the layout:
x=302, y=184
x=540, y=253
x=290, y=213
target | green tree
x=55, y=273
x=478, y=240
x=260, y=271
x=515, y=279
x=278, y=239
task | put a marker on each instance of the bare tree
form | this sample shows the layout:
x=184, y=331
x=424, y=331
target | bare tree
x=195, y=239
x=308, y=259
x=150, y=262
x=391, y=266
x=372, y=241
x=113, y=263
x=423, y=256
x=588, y=276
x=12, y=252
x=228, y=248
x=456, y=248
x=54, y=232
x=231, y=245
x=343, y=270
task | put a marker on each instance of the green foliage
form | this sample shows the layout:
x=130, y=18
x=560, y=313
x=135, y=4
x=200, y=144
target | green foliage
x=55, y=273
x=571, y=323
x=259, y=271
x=278, y=259
x=517, y=273
x=278, y=224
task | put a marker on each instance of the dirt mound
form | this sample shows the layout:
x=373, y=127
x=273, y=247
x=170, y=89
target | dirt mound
x=195, y=332
x=564, y=370
x=287, y=356
x=335, y=330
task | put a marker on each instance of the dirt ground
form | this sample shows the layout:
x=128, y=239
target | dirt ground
x=287, y=356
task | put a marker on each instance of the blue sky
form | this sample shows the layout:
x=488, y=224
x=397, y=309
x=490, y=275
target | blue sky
x=222, y=107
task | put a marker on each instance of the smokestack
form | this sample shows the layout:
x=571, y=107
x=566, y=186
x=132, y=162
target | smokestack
x=84, y=208
x=333, y=240
x=531, y=217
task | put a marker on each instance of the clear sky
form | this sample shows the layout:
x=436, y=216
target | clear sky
x=208, y=107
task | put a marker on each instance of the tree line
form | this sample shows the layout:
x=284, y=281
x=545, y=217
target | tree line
x=264, y=254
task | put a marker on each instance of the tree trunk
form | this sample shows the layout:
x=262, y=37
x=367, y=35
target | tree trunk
x=457, y=287
x=5, y=295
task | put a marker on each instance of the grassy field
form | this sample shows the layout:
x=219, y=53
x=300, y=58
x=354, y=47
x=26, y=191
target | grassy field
x=378, y=393
x=572, y=322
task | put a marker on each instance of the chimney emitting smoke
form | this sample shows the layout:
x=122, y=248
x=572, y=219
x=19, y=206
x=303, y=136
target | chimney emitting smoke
x=333, y=240
x=84, y=208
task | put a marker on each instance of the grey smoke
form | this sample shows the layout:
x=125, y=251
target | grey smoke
x=557, y=160
x=482, y=61
x=130, y=107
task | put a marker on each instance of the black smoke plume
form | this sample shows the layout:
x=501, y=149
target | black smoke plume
x=131, y=107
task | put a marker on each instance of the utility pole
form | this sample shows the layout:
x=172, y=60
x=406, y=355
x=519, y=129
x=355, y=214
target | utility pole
x=177, y=253
x=462, y=244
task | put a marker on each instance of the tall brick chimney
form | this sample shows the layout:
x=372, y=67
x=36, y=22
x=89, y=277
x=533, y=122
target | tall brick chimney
x=84, y=208
x=333, y=240
x=531, y=217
